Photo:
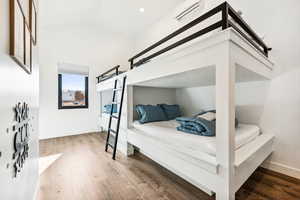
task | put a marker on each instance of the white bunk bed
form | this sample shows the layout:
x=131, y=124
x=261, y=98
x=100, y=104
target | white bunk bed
x=221, y=59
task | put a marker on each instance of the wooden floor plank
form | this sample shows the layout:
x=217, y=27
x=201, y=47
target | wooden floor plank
x=84, y=171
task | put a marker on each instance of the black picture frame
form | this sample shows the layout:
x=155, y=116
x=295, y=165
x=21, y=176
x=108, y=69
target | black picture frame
x=60, y=103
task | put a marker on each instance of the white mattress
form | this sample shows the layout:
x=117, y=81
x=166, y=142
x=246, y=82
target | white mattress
x=165, y=132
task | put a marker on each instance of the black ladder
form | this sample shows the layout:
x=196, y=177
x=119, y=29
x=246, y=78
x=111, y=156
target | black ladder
x=112, y=136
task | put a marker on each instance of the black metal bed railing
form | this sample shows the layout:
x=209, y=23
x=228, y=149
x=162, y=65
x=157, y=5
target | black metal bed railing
x=226, y=11
x=107, y=75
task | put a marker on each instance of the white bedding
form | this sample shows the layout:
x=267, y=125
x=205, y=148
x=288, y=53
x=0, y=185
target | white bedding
x=165, y=132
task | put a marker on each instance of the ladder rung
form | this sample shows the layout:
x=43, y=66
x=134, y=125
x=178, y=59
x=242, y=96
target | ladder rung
x=112, y=146
x=117, y=89
x=114, y=116
x=113, y=131
x=115, y=102
x=111, y=139
x=112, y=134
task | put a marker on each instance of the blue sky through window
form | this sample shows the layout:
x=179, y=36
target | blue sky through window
x=73, y=82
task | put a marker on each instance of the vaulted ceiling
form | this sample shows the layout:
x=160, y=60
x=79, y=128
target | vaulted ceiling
x=115, y=15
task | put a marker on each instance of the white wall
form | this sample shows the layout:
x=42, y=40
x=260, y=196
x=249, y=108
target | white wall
x=248, y=109
x=16, y=86
x=169, y=24
x=87, y=46
x=279, y=22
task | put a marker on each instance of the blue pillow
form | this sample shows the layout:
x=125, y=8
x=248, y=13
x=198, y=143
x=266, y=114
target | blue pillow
x=150, y=113
x=171, y=111
x=107, y=108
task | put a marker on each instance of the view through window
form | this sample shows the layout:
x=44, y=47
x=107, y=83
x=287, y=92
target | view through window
x=73, y=91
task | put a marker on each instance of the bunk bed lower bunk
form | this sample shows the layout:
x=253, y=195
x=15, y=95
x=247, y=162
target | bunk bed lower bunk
x=193, y=157
x=166, y=132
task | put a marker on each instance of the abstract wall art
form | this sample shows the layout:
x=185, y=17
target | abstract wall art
x=20, y=130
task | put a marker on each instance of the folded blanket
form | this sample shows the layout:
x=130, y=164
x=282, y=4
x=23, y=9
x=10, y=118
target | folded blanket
x=203, y=124
x=197, y=126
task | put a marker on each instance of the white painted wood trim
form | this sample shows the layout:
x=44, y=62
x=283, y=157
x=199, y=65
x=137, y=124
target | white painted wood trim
x=252, y=155
x=207, y=162
x=130, y=107
x=177, y=172
x=243, y=154
x=247, y=167
x=36, y=191
x=244, y=44
x=225, y=124
x=109, y=83
x=181, y=165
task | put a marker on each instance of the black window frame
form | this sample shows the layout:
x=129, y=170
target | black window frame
x=60, y=106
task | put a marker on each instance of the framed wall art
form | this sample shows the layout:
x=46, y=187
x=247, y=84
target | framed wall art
x=28, y=48
x=33, y=21
x=21, y=38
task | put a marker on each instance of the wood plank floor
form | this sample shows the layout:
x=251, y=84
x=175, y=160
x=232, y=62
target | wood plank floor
x=83, y=171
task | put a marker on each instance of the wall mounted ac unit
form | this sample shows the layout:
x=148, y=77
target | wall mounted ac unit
x=188, y=9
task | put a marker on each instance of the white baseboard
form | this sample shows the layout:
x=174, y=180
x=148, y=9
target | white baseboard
x=68, y=134
x=281, y=168
x=35, y=196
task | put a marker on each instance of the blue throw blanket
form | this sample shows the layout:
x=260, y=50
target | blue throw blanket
x=107, y=108
x=197, y=126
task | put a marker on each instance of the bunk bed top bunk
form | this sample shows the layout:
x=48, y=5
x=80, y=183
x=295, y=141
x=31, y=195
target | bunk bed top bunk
x=228, y=18
x=196, y=64
x=106, y=79
x=198, y=54
x=114, y=71
x=229, y=37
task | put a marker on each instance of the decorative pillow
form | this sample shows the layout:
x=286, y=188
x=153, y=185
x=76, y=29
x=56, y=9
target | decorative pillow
x=209, y=116
x=171, y=111
x=150, y=113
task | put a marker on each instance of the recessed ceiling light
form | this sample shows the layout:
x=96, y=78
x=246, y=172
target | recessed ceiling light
x=142, y=10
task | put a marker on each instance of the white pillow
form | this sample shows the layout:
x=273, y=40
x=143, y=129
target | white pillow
x=209, y=116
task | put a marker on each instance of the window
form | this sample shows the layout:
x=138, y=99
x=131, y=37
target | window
x=72, y=91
